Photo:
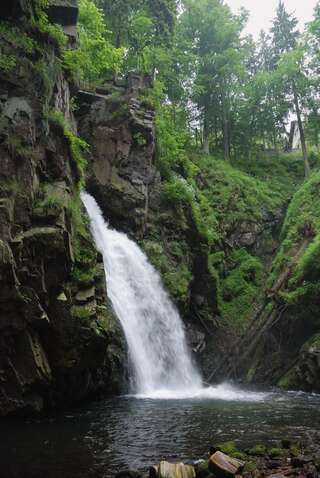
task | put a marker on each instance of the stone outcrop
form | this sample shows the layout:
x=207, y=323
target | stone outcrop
x=59, y=340
x=120, y=129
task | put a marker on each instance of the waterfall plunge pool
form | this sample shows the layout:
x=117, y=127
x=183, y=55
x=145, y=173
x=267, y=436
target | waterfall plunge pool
x=102, y=438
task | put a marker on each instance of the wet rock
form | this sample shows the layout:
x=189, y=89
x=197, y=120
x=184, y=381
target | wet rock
x=63, y=12
x=223, y=466
x=172, y=470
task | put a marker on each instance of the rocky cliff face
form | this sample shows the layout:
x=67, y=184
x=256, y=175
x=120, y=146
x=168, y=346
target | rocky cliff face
x=124, y=178
x=120, y=129
x=59, y=341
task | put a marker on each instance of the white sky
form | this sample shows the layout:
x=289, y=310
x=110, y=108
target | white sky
x=262, y=12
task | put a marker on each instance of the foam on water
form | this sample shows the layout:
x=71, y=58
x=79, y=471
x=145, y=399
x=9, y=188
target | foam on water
x=158, y=352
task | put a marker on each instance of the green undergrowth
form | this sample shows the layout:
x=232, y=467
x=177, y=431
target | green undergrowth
x=40, y=22
x=300, y=246
x=77, y=146
x=174, y=267
x=240, y=288
x=284, y=173
x=220, y=196
x=223, y=201
x=16, y=37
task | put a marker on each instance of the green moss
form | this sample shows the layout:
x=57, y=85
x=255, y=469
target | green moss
x=250, y=374
x=172, y=265
x=178, y=283
x=285, y=172
x=276, y=452
x=156, y=255
x=258, y=450
x=314, y=341
x=139, y=139
x=78, y=147
x=41, y=23
x=16, y=37
x=240, y=288
x=81, y=312
x=50, y=200
x=300, y=248
x=230, y=449
x=7, y=62
x=250, y=467
x=296, y=449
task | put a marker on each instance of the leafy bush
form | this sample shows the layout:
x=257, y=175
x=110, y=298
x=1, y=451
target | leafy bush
x=95, y=56
x=41, y=23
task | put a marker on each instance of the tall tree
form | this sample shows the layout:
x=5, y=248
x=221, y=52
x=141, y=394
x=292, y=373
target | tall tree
x=214, y=34
x=284, y=38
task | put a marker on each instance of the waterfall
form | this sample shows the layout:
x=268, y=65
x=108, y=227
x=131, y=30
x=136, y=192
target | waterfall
x=158, y=352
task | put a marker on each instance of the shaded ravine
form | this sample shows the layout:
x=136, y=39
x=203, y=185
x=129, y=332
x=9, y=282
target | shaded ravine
x=159, y=357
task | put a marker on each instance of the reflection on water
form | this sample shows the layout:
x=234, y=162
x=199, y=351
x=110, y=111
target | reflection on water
x=133, y=433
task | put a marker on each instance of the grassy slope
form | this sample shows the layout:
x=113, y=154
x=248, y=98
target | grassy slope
x=302, y=225
x=223, y=199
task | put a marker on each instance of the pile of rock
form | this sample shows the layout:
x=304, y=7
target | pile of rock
x=291, y=460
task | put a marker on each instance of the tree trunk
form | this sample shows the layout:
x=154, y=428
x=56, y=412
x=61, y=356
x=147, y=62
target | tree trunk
x=226, y=139
x=206, y=143
x=302, y=135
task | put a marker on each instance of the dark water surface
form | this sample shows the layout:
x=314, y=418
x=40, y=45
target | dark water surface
x=121, y=433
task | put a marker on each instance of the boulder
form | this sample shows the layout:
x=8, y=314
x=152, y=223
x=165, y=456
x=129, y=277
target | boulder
x=172, y=470
x=63, y=12
x=223, y=466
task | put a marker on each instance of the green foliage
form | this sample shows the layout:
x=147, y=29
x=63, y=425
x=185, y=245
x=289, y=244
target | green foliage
x=300, y=250
x=240, y=289
x=230, y=449
x=84, y=269
x=276, y=452
x=81, y=312
x=313, y=342
x=50, y=201
x=95, y=57
x=178, y=283
x=7, y=62
x=173, y=266
x=258, y=450
x=41, y=23
x=139, y=139
x=17, y=38
x=283, y=172
x=78, y=147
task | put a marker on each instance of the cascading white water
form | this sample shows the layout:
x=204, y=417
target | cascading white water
x=161, y=362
